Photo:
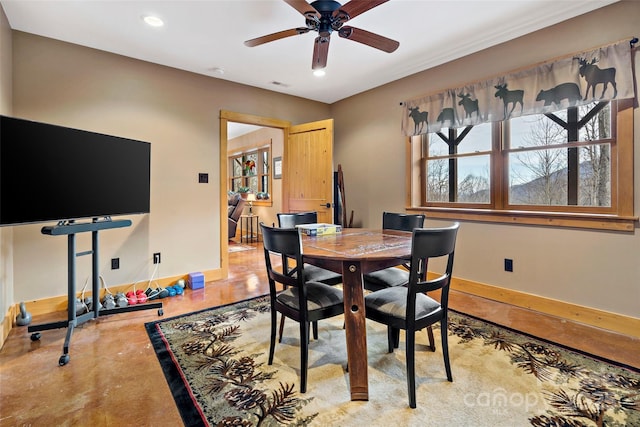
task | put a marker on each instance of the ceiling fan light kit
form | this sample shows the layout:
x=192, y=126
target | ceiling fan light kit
x=325, y=17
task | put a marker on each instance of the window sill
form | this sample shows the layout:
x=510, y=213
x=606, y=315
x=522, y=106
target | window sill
x=549, y=219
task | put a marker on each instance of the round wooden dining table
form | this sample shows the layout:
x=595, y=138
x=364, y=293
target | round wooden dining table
x=354, y=252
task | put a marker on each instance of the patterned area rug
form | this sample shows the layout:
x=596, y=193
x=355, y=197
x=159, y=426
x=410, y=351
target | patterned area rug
x=215, y=362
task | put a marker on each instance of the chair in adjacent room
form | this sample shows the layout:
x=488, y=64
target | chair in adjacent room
x=312, y=272
x=301, y=300
x=409, y=307
x=393, y=276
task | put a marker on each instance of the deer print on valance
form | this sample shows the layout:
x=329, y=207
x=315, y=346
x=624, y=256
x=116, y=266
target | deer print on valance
x=604, y=73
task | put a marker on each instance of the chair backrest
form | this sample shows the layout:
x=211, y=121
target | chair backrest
x=290, y=220
x=286, y=243
x=428, y=244
x=401, y=222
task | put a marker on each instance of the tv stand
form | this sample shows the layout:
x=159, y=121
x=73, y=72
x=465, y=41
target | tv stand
x=70, y=229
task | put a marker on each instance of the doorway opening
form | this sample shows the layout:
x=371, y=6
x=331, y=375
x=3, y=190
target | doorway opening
x=232, y=127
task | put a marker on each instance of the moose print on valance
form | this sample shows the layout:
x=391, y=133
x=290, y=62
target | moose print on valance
x=604, y=73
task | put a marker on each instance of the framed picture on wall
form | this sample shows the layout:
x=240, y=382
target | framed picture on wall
x=277, y=167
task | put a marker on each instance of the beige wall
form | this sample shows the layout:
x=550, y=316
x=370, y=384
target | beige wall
x=266, y=214
x=590, y=268
x=6, y=234
x=178, y=113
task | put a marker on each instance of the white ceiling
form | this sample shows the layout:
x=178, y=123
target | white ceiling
x=235, y=130
x=202, y=35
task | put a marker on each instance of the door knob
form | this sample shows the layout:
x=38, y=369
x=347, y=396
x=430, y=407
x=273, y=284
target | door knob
x=326, y=205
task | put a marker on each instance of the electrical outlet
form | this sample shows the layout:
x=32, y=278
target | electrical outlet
x=115, y=263
x=203, y=178
x=156, y=258
x=508, y=265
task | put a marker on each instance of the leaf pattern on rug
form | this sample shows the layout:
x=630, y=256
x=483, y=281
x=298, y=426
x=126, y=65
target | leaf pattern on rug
x=234, y=388
x=235, y=379
x=594, y=398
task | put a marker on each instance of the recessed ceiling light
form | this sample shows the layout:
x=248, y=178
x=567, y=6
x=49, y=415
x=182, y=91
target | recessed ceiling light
x=153, y=21
x=319, y=73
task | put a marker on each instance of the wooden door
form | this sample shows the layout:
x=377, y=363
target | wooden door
x=308, y=169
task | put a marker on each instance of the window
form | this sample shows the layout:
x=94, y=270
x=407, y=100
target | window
x=250, y=171
x=568, y=168
x=457, y=165
x=561, y=160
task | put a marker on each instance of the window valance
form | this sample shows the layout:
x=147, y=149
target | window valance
x=604, y=73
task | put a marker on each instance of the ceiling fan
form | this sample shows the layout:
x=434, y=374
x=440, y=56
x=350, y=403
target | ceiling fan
x=325, y=17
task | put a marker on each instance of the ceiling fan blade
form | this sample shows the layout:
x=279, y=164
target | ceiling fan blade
x=276, y=36
x=320, y=52
x=368, y=38
x=356, y=7
x=302, y=6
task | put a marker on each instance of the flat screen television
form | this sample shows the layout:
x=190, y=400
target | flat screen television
x=55, y=173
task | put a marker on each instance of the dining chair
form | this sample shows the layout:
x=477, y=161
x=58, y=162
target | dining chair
x=393, y=276
x=291, y=219
x=409, y=307
x=301, y=300
x=312, y=272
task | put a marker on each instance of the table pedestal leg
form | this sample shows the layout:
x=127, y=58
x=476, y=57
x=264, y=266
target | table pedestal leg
x=356, y=333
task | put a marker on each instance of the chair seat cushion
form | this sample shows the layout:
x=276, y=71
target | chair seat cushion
x=319, y=296
x=388, y=277
x=318, y=274
x=392, y=302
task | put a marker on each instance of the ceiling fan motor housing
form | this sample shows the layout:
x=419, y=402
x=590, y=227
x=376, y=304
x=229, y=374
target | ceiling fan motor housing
x=329, y=19
x=325, y=17
x=324, y=6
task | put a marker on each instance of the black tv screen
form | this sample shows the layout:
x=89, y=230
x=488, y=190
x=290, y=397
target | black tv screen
x=55, y=173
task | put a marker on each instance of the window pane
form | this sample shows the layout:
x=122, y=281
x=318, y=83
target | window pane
x=437, y=147
x=599, y=127
x=478, y=139
x=473, y=182
x=265, y=162
x=536, y=130
x=540, y=177
x=594, y=170
x=438, y=180
x=473, y=179
x=252, y=183
x=237, y=166
x=250, y=164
